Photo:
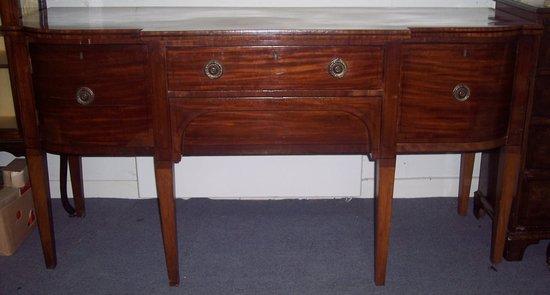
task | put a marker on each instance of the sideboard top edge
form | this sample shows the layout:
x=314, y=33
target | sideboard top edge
x=219, y=20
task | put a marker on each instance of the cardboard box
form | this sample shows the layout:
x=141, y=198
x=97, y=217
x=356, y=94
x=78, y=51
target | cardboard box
x=17, y=221
x=15, y=174
x=7, y=195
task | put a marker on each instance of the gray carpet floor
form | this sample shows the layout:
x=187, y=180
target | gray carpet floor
x=271, y=247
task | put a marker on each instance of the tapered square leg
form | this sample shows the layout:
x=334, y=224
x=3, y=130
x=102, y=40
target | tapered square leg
x=506, y=191
x=384, y=180
x=164, y=174
x=75, y=167
x=465, y=182
x=38, y=174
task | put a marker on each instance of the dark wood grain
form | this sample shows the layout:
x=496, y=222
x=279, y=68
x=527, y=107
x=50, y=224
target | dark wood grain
x=274, y=68
x=11, y=13
x=116, y=73
x=428, y=111
x=385, y=162
x=384, y=180
x=94, y=127
x=506, y=189
x=326, y=125
x=276, y=96
x=448, y=147
x=38, y=174
x=390, y=103
x=533, y=210
x=120, y=114
x=164, y=176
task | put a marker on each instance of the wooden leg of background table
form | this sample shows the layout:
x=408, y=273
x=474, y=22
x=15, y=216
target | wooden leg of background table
x=38, y=173
x=75, y=167
x=465, y=182
x=510, y=160
x=384, y=179
x=164, y=174
x=63, y=163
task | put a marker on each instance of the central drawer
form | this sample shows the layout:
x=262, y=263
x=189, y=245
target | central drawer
x=274, y=68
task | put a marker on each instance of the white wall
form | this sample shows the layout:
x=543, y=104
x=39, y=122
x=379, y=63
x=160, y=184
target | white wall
x=268, y=177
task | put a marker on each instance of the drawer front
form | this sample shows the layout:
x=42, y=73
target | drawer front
x=275, y=68
x=456, y=92
x=538, y=148
x=257, y=126
x=115, y=77
x=116, y=74
x=112, y=126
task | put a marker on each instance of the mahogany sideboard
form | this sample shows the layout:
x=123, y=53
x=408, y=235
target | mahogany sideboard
x=530, y=215
x=173, y=82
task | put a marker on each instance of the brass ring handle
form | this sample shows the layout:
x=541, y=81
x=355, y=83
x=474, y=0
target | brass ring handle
x=337, y=68
x=461, y=92
x=85, y=96
x=213, y=69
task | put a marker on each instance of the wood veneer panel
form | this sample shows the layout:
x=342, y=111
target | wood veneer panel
x=119, y=116
x=275, y=126
x=274, y=68
x=428, y=110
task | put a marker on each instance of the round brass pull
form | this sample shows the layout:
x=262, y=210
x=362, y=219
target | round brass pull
x=461, y=92
x=213, y=69
x=85, y=96
x=337, y=68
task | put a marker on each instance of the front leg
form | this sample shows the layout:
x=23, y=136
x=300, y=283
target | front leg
x=38, y=174
x=508, y=172
x=384, y=181
x=164, y=175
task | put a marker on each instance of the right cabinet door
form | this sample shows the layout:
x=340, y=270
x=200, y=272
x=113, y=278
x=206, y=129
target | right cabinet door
x=455, y=92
